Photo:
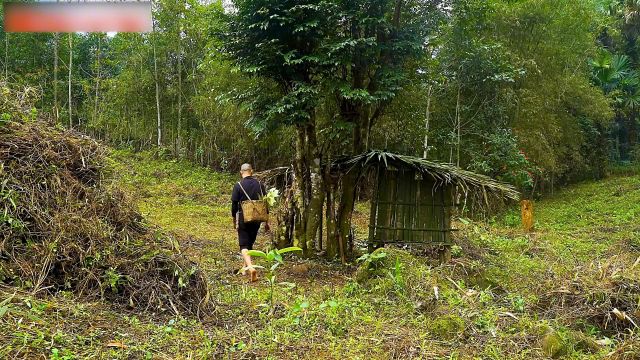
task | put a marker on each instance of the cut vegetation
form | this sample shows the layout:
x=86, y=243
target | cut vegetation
x=63, y=229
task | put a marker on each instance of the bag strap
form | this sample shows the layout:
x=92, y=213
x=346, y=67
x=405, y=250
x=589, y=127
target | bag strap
x=248, y=197
x=245, y=193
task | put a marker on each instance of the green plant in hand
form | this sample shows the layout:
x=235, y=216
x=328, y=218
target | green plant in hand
x=274, y=258
x=272, y=196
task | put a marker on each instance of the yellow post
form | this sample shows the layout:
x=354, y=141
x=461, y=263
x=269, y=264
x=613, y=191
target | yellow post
x=527, y=215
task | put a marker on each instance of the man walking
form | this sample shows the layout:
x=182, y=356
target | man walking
x=249, y=188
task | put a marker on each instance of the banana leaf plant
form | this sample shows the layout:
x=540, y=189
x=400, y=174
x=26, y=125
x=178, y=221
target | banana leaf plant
x=274, y=259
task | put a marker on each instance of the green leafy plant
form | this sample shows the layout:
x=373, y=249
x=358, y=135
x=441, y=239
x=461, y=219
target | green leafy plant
x=517, y=303
x=184, y=276
x=456, y=251
x=5, y=304
x=7, y=197
x=397, y=277
x=334, y=315
x=372, y=258
x=512, y=219
x=5, y=118
x=237, y=346
x=299, y=310
x=56, y=354
x=170, y=327
x=274, y=258
x=114, y=280
x=487, y=322
x=272, y=196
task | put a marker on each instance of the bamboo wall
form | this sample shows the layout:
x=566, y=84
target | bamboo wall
x=409, y=208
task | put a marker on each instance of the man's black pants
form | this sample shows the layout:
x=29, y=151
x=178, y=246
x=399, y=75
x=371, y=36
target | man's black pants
x=247, y=233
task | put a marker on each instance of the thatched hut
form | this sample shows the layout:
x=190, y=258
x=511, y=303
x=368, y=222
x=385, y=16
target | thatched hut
x=413, y=198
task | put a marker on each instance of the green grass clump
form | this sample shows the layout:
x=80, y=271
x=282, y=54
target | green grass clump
x=446, y=327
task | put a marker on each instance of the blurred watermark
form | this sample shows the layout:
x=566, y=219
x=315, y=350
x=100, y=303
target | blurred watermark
x=78, y=16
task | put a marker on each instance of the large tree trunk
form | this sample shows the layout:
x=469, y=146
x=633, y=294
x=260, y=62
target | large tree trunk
x=309, y=188
x=426, y=124
x=179, y=130
x=458, y=128
x=632, y=132
x=348, y=186
x=337, y=244
x=344, y=215
x=331, y=188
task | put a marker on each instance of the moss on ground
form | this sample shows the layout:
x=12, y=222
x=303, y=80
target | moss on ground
x=447, y=327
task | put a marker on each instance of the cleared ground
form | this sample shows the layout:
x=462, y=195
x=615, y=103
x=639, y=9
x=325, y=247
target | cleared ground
x=505, y=295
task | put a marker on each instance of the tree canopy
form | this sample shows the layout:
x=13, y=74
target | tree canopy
x=532, y=92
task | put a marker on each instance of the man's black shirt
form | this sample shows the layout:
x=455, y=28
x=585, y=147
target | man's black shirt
x=254, y=189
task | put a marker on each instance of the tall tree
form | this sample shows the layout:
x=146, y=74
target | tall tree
x=371, y=45
x=155, y=76
x=616, y=71
x=56, y=110
x=70, y=66
x=347, y=53
x=280, y=41
x=97, y=78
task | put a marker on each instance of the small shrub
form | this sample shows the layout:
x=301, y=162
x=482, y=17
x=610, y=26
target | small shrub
x=456, y=251
x=274, y=258
x=512, y=219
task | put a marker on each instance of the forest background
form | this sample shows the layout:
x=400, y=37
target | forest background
x=533, y=92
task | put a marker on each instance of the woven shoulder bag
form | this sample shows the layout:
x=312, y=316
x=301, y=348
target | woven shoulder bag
x=254, y=210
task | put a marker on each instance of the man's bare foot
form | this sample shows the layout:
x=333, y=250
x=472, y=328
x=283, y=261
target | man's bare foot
x=253, y=275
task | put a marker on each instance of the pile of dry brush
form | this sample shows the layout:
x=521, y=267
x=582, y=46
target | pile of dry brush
x=605, y=294
x=62, y=227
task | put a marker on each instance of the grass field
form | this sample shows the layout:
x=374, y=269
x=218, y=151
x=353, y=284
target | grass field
x=505, y=294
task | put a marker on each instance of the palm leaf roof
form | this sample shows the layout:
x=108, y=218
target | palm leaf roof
x=442, y=173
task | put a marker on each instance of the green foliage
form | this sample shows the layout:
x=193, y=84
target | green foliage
x=498, y=86
x=501, y=158
x=397, y=276
x=56, y=354
x=274, y=259
x=272, y=196
x=114, y=280
x=518, y=303
x=372, y=258
x=370, y=262
x=8, y=205
x=279, y=42
x=169, y=328
x=506, y=78
x=456, y=251
x=4, y=118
